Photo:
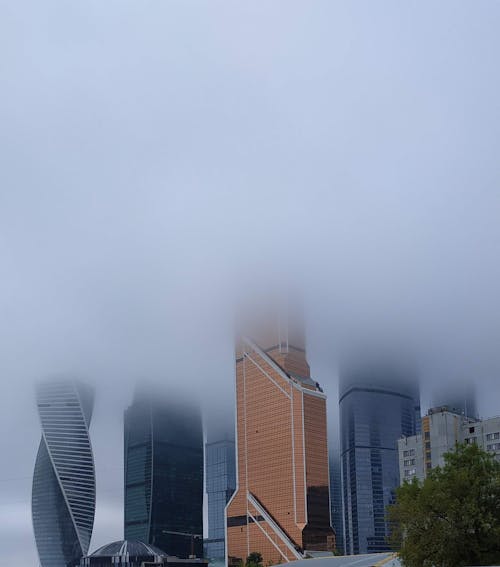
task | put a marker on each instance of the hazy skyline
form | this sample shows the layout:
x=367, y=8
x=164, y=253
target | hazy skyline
x=160, y=159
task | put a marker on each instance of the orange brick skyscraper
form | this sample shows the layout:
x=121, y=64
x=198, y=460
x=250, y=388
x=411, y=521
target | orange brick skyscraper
x=281, y=506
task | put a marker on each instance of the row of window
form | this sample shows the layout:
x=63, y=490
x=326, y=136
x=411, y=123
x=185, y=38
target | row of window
x=409, y=462
x=493, y=447
x=409, y=453
x=489, y=437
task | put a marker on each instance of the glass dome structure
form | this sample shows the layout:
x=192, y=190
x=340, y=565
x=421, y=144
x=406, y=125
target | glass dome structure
x=125, y=553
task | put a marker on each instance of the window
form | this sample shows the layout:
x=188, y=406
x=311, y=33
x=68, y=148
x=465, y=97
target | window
x=471, y=429
x=427, y=444
x=410, y=472
x=427, y=434
x=409, y=462
x=492, y=436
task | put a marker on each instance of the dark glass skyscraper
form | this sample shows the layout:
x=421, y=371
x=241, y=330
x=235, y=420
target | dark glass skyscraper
x=336, y=508
x=164, y=472
x=378, y=405
x=63, y=497
x=220, y=483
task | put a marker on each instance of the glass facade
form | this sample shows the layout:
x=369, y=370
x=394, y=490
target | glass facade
x=63, y=494
x=375, y=411
x=164, y=473
x=125, y=554
x=220, y=474
x=135, y=554
x=337, y=512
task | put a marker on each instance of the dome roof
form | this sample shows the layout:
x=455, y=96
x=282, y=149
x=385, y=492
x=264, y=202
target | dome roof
x=132, y=548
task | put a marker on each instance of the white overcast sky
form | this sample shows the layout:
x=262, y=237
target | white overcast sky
x=159, y=157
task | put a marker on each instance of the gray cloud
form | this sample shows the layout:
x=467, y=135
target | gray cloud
x=159, y=159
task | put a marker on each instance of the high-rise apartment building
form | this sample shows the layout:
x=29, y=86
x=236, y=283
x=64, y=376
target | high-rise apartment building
x=63, y=497
x=281, y=506
x=220, y=483
x=378, y=405
x=164, y=472
x=441, y=431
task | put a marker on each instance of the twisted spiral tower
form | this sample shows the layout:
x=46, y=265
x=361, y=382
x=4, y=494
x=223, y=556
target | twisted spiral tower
x=63, y=495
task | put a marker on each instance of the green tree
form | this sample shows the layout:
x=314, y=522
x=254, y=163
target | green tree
x=452, y=519
x=254, y=560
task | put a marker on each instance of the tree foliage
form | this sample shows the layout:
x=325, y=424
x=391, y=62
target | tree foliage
x=254, y=560
x=452, y=518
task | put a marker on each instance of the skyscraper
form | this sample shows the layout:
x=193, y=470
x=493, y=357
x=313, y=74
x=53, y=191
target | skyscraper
x=377, y=406
x=336, y=506
x=164, y=472
x=281, y=505
x=63, y=496
x=220, y=482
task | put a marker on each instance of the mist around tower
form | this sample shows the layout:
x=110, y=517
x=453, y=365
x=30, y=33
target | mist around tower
x=187, y=189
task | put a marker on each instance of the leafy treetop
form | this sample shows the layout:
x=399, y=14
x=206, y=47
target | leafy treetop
x=452, y=518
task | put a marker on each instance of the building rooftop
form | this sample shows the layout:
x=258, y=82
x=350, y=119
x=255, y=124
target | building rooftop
x=132, y=548
x=368, y=560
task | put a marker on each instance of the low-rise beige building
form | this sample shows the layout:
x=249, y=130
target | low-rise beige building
x=441, y=431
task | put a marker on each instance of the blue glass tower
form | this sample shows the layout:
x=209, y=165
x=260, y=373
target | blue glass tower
x=63, y=495
x=378, y=405
x=336, y=508
x=164, y=473
x=220, y=474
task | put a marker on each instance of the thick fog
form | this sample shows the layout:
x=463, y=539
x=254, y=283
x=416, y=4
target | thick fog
x=161, y=160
